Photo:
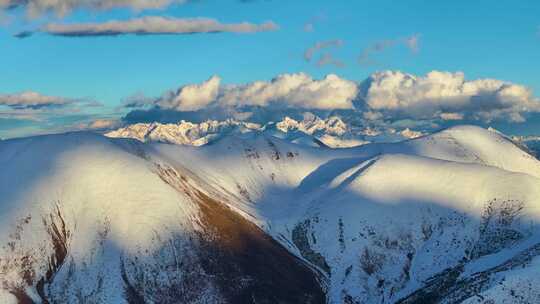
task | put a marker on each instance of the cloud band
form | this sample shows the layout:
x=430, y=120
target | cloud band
x=152, y=25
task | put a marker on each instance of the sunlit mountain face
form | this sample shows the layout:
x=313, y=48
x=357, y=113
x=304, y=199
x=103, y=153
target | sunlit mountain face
x=261, y=152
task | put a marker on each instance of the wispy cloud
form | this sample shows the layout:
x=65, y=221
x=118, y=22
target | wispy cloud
x=312, y=22
x=308, y=54
x=411, y=42
x=35, y=8
x=137, y=100
x=5, y=19
x=328, y=59
x=36, y=113
x=152, y=25
x=99, y=124
x=34, y=106
x=308, y=27
x=33, y=100
x=325, y=58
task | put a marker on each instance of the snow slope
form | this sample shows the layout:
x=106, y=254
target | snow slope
x=88, y=219
x=448, y=217
x=380, y=220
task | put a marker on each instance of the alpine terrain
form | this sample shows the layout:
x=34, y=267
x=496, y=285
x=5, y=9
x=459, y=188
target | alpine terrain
x=233, y=212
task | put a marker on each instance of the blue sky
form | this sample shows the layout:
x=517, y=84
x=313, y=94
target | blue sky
x=482, y=39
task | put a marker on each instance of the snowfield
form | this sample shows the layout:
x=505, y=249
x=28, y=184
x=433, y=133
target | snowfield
x=258, y=217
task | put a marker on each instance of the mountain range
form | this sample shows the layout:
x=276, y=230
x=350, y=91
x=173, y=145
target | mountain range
x=233, y=212
x=333, y=131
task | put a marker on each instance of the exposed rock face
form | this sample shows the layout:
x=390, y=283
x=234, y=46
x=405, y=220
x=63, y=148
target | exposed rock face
x=248, y=265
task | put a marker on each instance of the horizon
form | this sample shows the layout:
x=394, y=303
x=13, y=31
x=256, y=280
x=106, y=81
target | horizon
x=73, y=66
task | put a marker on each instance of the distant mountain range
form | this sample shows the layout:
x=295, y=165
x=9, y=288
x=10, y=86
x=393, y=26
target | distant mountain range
x=332, y=131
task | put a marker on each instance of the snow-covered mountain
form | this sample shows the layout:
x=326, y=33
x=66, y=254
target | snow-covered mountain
x=183, y=133
x=253, y=218
x=311, y=130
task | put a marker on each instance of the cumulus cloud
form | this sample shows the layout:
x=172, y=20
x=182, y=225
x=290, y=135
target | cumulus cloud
x=152, y=25
x=389, y=97
x=447, y=96
x=294, y=90
x=191, y=97
x=308, y=54
x=36, y=8
x=285, y=91
x=411, y=42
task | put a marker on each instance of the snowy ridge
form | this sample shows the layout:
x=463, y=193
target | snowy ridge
x=449, y=217
x=530, y=143
x=109, y=222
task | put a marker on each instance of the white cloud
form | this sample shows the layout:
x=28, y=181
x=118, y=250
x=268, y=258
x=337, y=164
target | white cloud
x=191, y=97
x=154, y=25
x=294, y=90
x=286, y=90
x=384, y=97
x=447, y=96
x=36, y=8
